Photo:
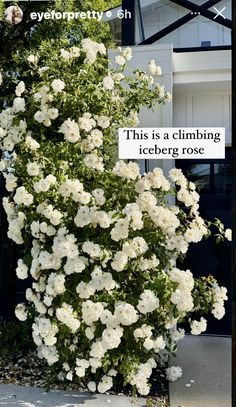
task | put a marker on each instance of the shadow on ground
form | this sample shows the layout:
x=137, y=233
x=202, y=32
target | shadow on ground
x=20, y=396
x=30, y=397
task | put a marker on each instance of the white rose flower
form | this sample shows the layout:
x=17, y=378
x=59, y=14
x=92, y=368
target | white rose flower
x=31, y=143
x=105, y=384
x=86, y=122
x=65, y=54
x=32, y=59
x=97, y=350
x=228, y=234
x=99, y=196
x=92, y=249
x=89, y=332
x=20, y=88
x=22, y=197
x=120, y=60
x=11, y=182
x=148, y=344
x=126, y=314
x=108, y=83
x=69, y=376
x=173, y=373
x=94, y=161
x=92, y=387
x=21, y=270
x=127, y=53
x=103, y=121
x=19, y=105
x=57, y=85
x=21, y=312
x=52, y=113
x=148, y=302
x=33, y=169
x=129, y=171
x=160, y=90
x=95, y=139
x=120, y=261
x=39, y=116
x=154, y=69
x=71, y=131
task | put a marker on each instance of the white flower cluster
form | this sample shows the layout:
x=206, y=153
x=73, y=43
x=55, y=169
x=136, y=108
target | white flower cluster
x=100, y=281
x=140, y=378
x=23, y=197
x=129, y=171
x=44, y=332
x=130, y=249
x=47, y=114
x=197, y=327
x=44, y=184
x=65, y=314
x=21, y=312
x=21, y=270
x=154, y=69
x=91, y=216
x=71, y=130
x=124, y=55
x=12, y=134
x=148, y=302
x=182, y=296
x=220, y=295
x=104, y=240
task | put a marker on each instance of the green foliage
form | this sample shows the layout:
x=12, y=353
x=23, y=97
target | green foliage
x=153, y=402
x=51, y=35
x=15, y=338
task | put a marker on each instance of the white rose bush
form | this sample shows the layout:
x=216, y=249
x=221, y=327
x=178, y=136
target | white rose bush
x=100, y=241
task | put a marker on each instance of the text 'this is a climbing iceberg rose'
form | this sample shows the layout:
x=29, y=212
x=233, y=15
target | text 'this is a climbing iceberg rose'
x=100, y=241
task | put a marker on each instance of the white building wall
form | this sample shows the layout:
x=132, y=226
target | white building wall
x=203, y=110
x=200, y=83
x=160, y=14
x=202, y=90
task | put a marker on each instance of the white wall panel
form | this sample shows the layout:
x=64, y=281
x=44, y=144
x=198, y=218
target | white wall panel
x=186, y=34
x=209, y=31
x=208, y=110
x=180, y=111
x=203, y=110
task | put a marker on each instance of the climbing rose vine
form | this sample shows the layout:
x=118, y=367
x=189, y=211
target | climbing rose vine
x=99, y=241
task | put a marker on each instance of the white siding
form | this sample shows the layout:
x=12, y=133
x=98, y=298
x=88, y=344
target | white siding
x=159, y=14
x=203, y=110
x=200, y=83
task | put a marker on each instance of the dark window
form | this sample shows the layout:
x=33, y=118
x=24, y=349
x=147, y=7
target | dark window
x=213, y=181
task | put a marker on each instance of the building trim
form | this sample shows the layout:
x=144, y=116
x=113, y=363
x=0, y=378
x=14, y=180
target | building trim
x=197, y=49
x=185, y=19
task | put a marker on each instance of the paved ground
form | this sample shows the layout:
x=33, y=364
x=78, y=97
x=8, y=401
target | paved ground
x=11, y=395
x=207, y=361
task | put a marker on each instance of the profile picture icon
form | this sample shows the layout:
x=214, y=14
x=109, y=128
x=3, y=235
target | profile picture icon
x=13, y=15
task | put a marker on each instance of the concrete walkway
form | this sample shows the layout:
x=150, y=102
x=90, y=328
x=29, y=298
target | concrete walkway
x=206, y=380
x=11, y=395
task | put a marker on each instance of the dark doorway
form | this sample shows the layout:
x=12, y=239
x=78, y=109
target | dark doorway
x=213, y=181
